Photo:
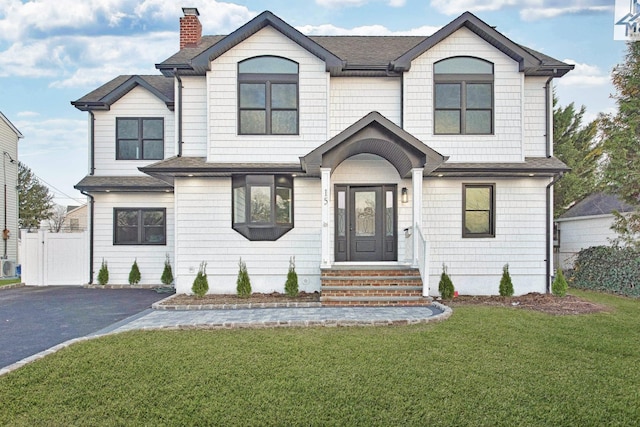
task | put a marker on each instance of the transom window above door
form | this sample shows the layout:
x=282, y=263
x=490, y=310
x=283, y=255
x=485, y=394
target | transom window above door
x=463, y=96
x=267, y=96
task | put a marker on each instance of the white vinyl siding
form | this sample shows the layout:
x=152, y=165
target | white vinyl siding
x=205, y=234
x=9, y=144
x=535, y=123
x=120, y=257
x=225, y=143
x=136, y=103
x=506, y=143
x=475, y=265
x=352, y=98
x=581, y=233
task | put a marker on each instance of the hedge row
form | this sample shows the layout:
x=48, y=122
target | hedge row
x=610, y=269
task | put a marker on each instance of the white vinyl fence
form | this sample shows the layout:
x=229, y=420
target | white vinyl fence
x=54, y=258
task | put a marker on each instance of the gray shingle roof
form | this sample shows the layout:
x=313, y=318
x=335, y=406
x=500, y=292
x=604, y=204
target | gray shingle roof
x=538, y=166
x=198, y=166
x=110, y=92
x=362, y=55
x=597, y=204
x=92, y=183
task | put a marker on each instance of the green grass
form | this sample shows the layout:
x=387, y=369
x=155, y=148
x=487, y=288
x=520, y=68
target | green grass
x=9, y=281
x=485, y=366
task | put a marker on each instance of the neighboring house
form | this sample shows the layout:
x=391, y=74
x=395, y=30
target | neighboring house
x=588, y=223
x=9, y=136
x=347, y=152
x=76, y=219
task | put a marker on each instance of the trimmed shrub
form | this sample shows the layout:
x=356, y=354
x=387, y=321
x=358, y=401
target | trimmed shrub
x=559, y=285
x=134, y=274
x=506, y=286
x=609, y=269
x=445, y=286
x=167, y=273
x=103, y=274
x=243, y=283
x=291, y=285
x=200, y=284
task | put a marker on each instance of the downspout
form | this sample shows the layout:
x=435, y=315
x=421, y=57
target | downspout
x=92, y=136
x=548, y=98
x=402, y=100
x=91, y=215
x=549, y=218
x=175, y=71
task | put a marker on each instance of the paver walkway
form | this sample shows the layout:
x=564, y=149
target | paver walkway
x=279, y=317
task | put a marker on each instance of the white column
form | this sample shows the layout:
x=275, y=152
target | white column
x=325, y=174
x=416, y=197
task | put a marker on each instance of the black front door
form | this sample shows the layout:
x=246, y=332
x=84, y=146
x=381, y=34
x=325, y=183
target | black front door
x=365, y=218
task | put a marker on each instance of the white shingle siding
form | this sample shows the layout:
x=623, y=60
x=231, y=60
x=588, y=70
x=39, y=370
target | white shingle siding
x=535, y=123
x=225, y=143
x=136, y=103
x=354, y=97
x=120, y=257
x=475, y=264
x=205, y=234
x=194, y=117
x=506, y=143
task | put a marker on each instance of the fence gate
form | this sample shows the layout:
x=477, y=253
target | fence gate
x=54, y=258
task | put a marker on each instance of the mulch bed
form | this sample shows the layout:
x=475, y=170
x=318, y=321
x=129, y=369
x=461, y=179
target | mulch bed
x=545, y=303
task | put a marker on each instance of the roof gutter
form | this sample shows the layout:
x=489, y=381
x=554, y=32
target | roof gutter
x=548, y=239
x=91, y=215
x=180, y=142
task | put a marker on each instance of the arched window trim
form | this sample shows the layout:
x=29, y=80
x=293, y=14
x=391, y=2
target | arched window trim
x=275, y=111
x=448, y=86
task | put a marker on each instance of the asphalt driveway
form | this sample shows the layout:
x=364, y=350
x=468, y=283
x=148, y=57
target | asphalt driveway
x=33, y=319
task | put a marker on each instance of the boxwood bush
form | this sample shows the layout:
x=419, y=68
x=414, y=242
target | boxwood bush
x=606, y=268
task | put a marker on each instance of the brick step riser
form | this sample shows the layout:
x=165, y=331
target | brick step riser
x=415, y=303
x=347, y=293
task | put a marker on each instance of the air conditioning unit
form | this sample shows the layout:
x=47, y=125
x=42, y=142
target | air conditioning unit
x=7, y=268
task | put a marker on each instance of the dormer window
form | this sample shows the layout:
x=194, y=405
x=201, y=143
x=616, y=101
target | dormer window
x=463, y=96
x=267, y=96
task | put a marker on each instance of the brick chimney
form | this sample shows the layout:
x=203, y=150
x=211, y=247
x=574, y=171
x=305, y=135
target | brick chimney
x=190, y=27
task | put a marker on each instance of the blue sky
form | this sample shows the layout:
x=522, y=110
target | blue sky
x=55, y=51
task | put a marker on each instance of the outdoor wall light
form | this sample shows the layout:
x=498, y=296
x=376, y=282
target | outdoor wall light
x=404, y=195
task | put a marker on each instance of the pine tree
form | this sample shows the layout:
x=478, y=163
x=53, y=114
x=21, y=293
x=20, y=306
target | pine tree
x=200, y=284
x=291, y=285
x=34, y=199
x=103, y=274
x=445, y=286
x=621, y=136
x=559, y=285
x=506, y=286
x=243, y=283
x=134, y=274
x=167, y=273
x=577, y=146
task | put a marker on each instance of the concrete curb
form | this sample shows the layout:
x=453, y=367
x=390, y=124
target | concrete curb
x=12, y=286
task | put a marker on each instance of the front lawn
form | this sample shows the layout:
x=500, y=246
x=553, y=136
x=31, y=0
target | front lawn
x=484, y=366
x=4, y=282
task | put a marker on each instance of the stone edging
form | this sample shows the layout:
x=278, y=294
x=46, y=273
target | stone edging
x=162, y=305
x=12, y=286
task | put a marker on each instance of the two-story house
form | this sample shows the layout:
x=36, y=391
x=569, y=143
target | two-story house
x=378, y=157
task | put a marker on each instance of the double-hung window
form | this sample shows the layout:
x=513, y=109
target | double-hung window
x=139, y=138
x=268, y=96
x=133, y=226
x=478, y=210
x=262, y=206
x=463, y=96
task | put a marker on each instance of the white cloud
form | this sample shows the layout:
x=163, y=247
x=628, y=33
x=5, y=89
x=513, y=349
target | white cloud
x=367, y=30
x=584, y=75
x=530, y=9
x=28, y=114
x=335, y=4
